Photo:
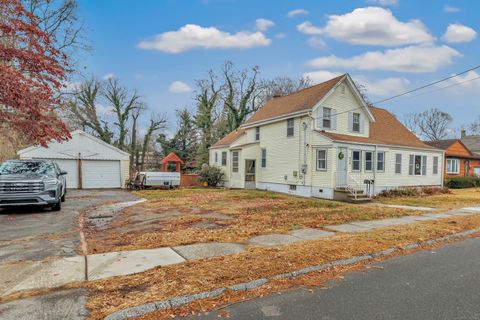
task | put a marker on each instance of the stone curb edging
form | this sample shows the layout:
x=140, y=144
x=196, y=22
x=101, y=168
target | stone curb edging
x=250, y=285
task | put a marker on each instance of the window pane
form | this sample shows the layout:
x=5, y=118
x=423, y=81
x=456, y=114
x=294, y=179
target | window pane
x=356, y=161
x=321, y=159
x=235, y=161
x=326, y=117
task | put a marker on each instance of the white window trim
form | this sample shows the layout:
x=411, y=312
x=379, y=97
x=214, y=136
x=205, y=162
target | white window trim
x=400, y=163
x=325, y=118
x=257, y=133
x=261, y=158
x=372, y=161
x=226, y=158
x=353, y=122
x=421, y=165
x=233, y=162
x=376, y=161
x=359, y=161
x=435, y=165
x=326, y=160
x=292, y=127
x=457, y=161
x=216, y=157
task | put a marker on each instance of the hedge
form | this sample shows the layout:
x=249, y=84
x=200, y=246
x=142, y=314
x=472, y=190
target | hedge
x=463, y=182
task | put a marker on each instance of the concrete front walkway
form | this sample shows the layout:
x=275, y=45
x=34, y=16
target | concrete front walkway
x=55, y=273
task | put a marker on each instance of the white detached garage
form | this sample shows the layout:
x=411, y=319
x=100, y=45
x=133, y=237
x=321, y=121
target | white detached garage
x=90, y=162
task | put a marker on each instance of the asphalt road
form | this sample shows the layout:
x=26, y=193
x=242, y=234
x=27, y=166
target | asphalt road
x=427, y=285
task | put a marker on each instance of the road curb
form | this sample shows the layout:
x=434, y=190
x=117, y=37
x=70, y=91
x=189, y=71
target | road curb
x=250, y=285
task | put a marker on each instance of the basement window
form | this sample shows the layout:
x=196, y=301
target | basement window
x=292, y=187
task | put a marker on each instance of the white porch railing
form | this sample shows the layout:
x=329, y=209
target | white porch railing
x=352, y=184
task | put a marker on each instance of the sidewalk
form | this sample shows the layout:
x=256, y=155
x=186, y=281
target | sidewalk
x=55, y=273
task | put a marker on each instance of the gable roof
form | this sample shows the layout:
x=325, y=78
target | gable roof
x=302, y=100
x=229, y=138
x=70, y=149
x=472, y=143
x=442, y=144
x=171, y=157
x=386, y=130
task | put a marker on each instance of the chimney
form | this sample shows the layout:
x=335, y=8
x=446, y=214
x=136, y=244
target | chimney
x=463, y=134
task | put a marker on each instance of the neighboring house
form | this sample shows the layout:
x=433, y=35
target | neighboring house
x=89, y=161
x=459, y=160
x=324, y=141
x=471, y=142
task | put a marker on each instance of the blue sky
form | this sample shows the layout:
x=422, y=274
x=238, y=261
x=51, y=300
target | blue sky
x=389, y=45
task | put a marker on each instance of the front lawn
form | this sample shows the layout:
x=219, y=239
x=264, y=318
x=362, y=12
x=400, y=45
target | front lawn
x=459, y=198
x=184, y=216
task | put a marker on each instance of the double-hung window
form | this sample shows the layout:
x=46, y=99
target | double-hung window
x=356, y=160
x=216, y=157
x=290, y=127
x=264, y=158
x=224, y=158
x=380, y=161
x=356, y=122
x=398, y=163
x=321, y=160
x=435, y=165
x=453, y=166
x=257, y=134
x=368, y=161
x=235, y=161
x=327, y=118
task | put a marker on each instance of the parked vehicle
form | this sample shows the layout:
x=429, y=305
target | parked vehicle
x=149, y=180
x=32, y=182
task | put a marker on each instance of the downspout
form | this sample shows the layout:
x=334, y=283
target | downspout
x=374, y=164
x=304, y=166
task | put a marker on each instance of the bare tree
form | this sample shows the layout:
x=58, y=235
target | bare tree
x=474, y=127
x=433, y=124
x=60, y=19
x=241, y=92
x=410, y=120
x=83, y=110
x=134, y=150
x=156, y=123
x=124, y=102
x=281, y=86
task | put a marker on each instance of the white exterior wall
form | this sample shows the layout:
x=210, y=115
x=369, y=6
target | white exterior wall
x=286, y=155
x=343, y=103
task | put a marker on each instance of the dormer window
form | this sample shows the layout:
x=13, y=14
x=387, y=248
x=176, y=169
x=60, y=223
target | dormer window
x=327, y=118
x=257, y=134
x=356, y=122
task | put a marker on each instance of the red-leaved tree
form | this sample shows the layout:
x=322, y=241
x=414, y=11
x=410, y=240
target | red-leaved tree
x=32, y=72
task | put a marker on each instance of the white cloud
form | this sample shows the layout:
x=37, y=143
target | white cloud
x=263, y=24
x=383, y=87
x=467, y=80
x=179, y=87
x=457, y=33
x=317, y=42
x=450, y=9
x=321, y=75
x=370, y=26
x=70, y=87
x=193, y=36
x=384, y=2
x=413, y=59
x=281, y=35
x=109, y=76
x=297, y=12
x=308, y=28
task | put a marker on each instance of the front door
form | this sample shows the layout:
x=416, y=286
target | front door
x=341, y=174
x=250, y=174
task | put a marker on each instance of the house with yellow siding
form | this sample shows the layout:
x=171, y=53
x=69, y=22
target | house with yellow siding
x=325, y=141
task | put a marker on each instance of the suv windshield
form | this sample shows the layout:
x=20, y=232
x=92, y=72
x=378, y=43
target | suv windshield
x=26, y=167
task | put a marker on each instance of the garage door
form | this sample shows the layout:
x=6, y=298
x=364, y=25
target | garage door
x=101, y=174
x=71, y=167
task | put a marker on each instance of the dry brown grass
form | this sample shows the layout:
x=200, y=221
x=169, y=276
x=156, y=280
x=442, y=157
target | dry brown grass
x=457, y=199
x=162, y=283
x=185, y=216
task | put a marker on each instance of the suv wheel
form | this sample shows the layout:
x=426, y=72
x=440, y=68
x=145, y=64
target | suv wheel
x=57, y=206
x=63, y=198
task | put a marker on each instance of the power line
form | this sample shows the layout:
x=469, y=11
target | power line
x=422, y=87
x=427, y=85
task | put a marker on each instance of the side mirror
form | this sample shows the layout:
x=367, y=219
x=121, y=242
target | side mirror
x=62, y=173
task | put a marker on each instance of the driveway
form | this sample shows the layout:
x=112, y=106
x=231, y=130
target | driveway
x=37, y=234
x=29, y=235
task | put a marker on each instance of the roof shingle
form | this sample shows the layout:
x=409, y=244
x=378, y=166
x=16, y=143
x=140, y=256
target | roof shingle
x=229, y=138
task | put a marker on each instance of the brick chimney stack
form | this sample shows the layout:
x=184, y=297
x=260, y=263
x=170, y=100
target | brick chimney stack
x=463, y=134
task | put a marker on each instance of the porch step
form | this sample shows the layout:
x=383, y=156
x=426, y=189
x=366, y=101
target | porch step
x=345, y=190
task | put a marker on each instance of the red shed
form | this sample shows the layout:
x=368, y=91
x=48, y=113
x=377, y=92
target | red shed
x=172, y=158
